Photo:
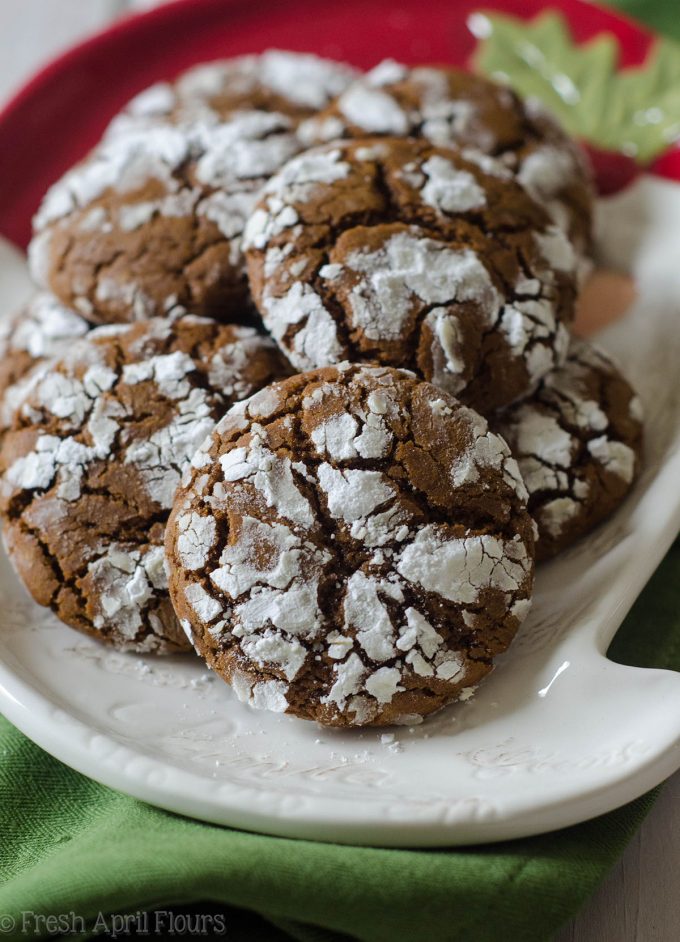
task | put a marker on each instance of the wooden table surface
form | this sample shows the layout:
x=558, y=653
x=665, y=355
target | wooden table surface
x=640, y=899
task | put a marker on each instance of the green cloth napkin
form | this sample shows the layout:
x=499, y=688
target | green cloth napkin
x=71, y=848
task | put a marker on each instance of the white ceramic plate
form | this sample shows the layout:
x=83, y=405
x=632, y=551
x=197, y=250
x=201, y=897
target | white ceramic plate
x=556, y=735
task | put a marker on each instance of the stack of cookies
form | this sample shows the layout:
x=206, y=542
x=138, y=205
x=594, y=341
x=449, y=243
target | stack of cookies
x=298, y=388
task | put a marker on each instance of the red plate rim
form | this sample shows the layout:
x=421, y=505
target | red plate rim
x=633, y=36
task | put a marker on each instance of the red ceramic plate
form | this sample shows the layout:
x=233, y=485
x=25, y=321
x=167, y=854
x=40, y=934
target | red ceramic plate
x=62, y=111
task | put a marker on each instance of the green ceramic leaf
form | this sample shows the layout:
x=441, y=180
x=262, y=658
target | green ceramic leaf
x=636, y=111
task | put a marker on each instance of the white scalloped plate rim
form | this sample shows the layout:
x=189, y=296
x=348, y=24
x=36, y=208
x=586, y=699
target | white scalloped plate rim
x=557, y=735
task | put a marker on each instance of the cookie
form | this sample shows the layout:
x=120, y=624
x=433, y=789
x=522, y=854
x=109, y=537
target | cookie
x=351, y=546
x=578, y=442
x=153, y=218
x=447, y=107
x=288, y=83
x=413, y=256
x=92, y=461
x=43, y=329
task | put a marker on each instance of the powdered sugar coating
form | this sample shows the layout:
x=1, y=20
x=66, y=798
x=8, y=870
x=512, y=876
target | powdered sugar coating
x=450, y=190
x=362, y=519
x=373, y=110
x=397, y=251
x=93, y=460
x=578, y=442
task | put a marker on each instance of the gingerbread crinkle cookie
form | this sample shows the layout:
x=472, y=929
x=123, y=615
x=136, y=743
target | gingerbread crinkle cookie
x=410, y=255
x=351, y=546
x=578, y=442
x=151, y=221
x=94, y=456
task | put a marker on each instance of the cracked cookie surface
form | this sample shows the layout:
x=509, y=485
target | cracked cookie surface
x=351, y=546
x=578, y=443
x=410, y=255
x=152, y=219
x=93, y=459
x=450, y=107
x=43, y=329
